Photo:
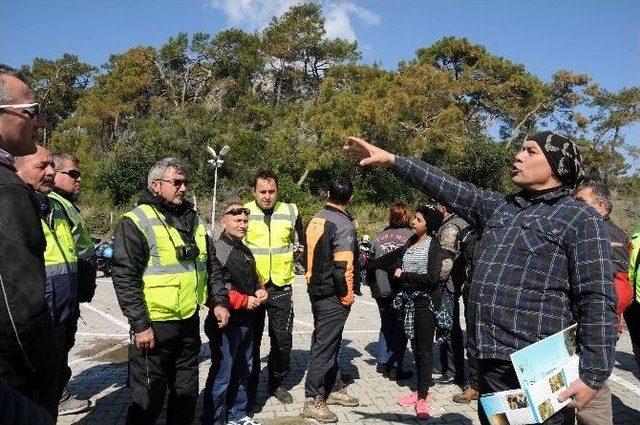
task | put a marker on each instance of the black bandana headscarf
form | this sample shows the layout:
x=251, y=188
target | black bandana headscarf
x=563, y=157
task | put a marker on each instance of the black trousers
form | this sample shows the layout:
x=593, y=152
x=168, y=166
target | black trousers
x=422, y=345
x=499, y=375
x=66, y=333
x=173, y=363
x=279, y=307
x=451, y=350
x=632, y=317
x=38, y=385
x=472, y=359
x=323, y=376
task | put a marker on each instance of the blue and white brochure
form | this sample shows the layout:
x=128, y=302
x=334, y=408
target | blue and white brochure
x=544, y=370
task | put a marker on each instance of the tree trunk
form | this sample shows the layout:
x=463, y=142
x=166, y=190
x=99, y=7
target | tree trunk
x=303, y=177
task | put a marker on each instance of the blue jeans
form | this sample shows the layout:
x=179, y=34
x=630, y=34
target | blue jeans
x=225, y=396
x=392, y=342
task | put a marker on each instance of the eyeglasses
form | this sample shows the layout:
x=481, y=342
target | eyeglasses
x=176, y=182
x=237, y=211
x=74, y=174
x=31, y=109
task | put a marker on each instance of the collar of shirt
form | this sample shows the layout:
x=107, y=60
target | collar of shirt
x=524, y=199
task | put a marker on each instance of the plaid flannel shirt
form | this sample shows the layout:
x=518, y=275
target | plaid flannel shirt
x=542, y=264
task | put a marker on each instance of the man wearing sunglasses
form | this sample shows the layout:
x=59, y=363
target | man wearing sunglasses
x=225, y=394
x=65, y=192
x=163, y=268
x=27, y=343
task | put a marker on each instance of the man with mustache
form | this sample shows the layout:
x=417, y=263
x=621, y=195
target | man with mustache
x=60, y=257
x=543, y=262
x=163, y=267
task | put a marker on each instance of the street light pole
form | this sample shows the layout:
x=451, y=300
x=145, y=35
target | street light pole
x=217, y=162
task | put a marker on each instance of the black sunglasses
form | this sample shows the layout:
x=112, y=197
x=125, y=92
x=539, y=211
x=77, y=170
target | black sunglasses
x=176, y=182
x=74, y=174
x=236, y=211
x=31, y=109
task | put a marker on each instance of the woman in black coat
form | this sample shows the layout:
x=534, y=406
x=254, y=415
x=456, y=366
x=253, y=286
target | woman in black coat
x=416, y=266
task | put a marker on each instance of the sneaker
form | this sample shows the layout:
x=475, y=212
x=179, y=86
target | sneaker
x=408, y=400
x=444, y=379
x=283, y=395
x=70, y=405
x=316, y=408
x=244, y=421
x=467, y=395
x=396, y=374
x=342, y=398
x=422, y=409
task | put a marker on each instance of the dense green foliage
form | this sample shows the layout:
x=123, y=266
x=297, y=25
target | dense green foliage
x=287, y=98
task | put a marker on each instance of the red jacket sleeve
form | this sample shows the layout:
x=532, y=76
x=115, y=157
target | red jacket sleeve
x=237, y=301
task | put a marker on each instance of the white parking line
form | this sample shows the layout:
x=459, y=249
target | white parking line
x=106, y=316
x=102, y=334
x=624, y=383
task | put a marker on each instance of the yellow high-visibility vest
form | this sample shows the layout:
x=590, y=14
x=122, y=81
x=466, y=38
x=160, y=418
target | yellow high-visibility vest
x=634, y=261
x=81, y=235
x=273, y=245
x=61, y=264
x=172, y=288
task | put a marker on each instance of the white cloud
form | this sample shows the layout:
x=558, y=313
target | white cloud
x=256, y=14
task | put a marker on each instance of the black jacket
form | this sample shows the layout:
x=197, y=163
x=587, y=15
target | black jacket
x=382, y=283
x=131, y=254
x=332, y=250
x=22, y=246
x=410, y=281
x=239, y=270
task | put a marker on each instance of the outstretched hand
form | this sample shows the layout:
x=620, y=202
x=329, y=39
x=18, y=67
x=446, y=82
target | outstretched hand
x=368, y=153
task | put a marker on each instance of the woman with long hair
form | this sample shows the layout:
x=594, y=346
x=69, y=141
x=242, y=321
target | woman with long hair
x=416, y=265
x=392, y=342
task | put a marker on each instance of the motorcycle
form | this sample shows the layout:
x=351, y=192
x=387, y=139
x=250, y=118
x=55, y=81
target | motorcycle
x=364, y=255
x=103, y=255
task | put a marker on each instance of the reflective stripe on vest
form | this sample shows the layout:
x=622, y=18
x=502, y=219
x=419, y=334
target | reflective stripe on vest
x=81, y=236
x=273, y=245
x=60, y=255
x=172, y=288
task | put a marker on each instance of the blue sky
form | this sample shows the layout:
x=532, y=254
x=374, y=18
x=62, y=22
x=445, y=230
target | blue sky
x=600, y=38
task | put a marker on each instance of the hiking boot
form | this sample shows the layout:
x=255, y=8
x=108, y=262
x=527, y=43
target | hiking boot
x=467, y=395
x=283, y=395
x=70, y=405
x=342, y=398
x=397, y=374
x=316, y=408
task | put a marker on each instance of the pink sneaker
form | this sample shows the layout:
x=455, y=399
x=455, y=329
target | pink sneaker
x=422, y=409
x=408, y=400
